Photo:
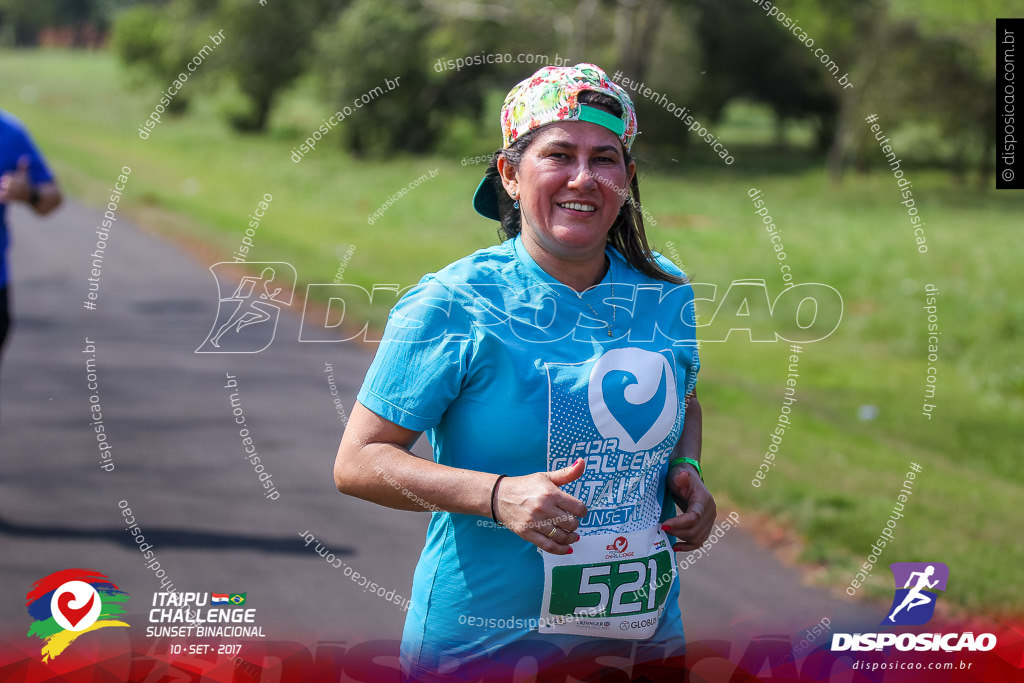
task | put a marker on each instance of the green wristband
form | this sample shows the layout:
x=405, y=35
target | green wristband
x=691, y=461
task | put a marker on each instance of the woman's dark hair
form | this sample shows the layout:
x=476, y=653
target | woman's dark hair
x=627, y=233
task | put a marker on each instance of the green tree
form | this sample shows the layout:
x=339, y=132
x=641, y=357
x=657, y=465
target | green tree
x=373, y=42
x=266, y=48
x=368, y=43
x=922, y=67
x=747, y=54
x=155, y=43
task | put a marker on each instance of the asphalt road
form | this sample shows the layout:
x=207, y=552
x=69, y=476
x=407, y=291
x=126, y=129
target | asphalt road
x=179, y=463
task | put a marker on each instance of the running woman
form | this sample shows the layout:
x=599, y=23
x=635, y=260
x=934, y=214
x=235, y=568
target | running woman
x=554, y=376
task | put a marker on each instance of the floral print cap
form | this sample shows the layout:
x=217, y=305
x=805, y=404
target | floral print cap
x=550, y=95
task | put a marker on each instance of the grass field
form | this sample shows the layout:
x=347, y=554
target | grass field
x=836, y=476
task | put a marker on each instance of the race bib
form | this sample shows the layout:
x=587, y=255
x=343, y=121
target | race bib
x=612, y=586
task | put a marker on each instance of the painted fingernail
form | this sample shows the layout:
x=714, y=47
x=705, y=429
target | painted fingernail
x=664, y=527
x=570, y=551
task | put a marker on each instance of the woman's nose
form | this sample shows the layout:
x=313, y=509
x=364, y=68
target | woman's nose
x=583, y=178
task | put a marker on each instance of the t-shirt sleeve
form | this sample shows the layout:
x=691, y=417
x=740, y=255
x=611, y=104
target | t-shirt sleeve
x=38, y=171
x=422, y=358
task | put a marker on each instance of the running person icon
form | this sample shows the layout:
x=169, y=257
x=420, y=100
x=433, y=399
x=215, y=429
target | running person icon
x=249, y=311
x=916, y=596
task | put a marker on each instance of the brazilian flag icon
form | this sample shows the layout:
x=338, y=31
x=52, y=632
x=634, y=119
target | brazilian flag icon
x=237, y=598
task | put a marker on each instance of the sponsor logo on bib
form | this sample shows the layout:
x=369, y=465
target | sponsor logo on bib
x=617, y=549
x=619, y=545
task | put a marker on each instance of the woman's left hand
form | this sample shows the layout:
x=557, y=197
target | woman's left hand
x=694, y=526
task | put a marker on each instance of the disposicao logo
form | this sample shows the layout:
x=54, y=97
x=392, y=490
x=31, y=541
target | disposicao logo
x=69, y=603
x=912, y=605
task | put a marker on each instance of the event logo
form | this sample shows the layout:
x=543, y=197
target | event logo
x=632, y=396
x=619, y=545
x=69, y=603
x=914, y=603
x=247, y=318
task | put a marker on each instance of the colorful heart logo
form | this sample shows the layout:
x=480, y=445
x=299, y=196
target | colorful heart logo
x=69, y=603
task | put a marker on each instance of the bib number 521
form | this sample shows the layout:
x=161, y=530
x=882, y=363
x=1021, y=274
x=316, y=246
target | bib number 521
x=612, y=589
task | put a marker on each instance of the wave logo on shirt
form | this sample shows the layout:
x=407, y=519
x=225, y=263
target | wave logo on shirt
x=632, y=396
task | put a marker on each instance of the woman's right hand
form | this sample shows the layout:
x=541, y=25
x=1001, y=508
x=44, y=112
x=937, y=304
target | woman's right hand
x=533, y=505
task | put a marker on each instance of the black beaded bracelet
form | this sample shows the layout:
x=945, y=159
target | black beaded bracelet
x=494, y=490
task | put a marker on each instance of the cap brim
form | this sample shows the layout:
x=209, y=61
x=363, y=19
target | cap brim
x=485, y=201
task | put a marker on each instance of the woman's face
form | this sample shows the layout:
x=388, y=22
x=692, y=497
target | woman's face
x=571, y=182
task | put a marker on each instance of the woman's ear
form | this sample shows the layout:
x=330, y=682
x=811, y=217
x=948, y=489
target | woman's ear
x=509, y=176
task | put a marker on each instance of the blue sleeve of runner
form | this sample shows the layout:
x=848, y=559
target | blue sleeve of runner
x=421, y=362
x=38, y=171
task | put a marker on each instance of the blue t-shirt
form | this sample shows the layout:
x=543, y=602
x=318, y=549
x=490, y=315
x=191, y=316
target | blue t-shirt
x=15, y=143
x=511, y=372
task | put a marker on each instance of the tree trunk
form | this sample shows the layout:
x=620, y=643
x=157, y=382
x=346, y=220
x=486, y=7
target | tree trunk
x=636, y=26
x=264, y=103
x=871, y=55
